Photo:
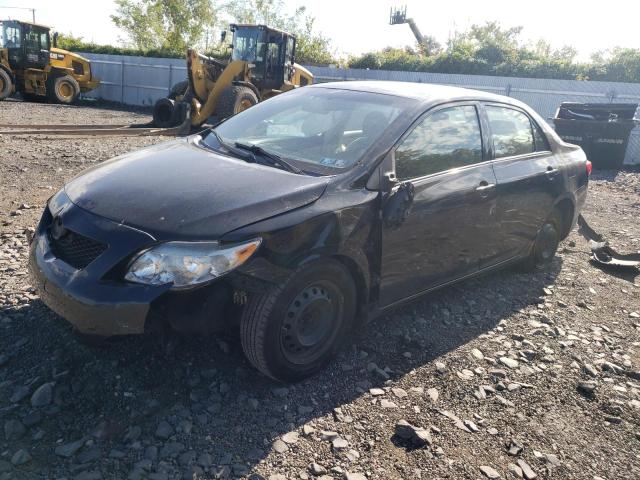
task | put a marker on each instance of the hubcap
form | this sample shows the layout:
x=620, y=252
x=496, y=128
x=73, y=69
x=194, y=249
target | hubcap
x=310, y=322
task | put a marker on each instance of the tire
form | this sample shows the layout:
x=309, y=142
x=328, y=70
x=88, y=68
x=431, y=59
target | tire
x=235, y=99
x=64, y=90
x=179, y=90
x=545, y=245
x=295, y=329
x=164, y=112
x=6, y=84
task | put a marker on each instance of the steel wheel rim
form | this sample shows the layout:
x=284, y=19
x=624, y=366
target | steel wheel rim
x=244, y=104
x=311, y=322
x=65, y=90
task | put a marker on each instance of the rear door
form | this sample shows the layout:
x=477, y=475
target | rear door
x=528, y=178
x=451, y=224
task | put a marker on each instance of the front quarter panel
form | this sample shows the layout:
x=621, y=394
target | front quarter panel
x=340, y=224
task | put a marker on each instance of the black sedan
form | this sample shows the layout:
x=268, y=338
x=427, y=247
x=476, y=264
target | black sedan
x=307, y=215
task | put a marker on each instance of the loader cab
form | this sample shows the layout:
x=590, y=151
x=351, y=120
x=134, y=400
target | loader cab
x=28, y=45
x=271, y=51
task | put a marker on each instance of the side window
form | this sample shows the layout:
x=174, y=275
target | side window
x=446, y=139
x=31, y=39
x=511, y=131
x=12, y=37
x=542, y=144
x=44, y=41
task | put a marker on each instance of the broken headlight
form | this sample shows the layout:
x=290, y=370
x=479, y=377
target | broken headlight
x=186, y=264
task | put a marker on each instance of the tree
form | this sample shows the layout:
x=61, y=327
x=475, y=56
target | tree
x=171, y=25
x=429, y=46
x=311, y=46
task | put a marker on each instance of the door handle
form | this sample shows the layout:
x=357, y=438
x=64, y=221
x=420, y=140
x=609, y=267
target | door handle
x=551, y=171
x=485, y=186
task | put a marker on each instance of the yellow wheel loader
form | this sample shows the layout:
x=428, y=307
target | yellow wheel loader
x=262, y=65
x=29, y=64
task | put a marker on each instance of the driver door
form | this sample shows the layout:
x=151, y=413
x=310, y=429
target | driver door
x=451, y=225
x=12, y=37
x=36, y=47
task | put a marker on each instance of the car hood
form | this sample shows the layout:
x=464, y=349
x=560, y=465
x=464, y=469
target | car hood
x=178, y=190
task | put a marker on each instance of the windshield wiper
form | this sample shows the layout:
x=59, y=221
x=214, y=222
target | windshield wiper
x=272, y=158
x=224, y=143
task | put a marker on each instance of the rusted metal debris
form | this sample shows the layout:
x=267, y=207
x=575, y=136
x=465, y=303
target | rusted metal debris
x=602, y=253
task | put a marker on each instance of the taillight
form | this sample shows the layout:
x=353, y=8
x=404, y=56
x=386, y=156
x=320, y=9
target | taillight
x=589, y=167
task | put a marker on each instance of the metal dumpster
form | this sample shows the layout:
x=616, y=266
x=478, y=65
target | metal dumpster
x=601, y=129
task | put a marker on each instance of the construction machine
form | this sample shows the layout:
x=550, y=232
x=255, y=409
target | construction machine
x=30, y=63
x=398, y=16
x=262, y=65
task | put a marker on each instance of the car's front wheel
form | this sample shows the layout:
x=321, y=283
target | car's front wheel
x=294, y=330
x=546, y=244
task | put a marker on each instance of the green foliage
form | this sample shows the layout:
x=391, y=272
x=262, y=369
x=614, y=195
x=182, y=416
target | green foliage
x=78, y=45
x=312, y=47
x=169, y=25
x=492, y=50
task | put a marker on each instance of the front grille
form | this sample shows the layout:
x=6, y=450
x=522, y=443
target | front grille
x=75, y=249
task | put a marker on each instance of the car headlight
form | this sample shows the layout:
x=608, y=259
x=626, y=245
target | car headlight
x=187, y=264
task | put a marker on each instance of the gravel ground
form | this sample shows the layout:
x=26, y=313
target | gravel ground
x=505, y=376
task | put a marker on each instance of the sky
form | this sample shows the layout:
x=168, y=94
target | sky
x=358, y=26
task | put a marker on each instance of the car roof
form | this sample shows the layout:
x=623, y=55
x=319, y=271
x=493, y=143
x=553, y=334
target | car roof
x=426, y=92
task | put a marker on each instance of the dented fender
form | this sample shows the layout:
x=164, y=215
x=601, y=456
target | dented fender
x=344, y=226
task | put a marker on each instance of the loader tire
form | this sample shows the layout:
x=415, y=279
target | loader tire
x=235, y=99
x=6, y=85
x=164, y=113
x=64, y=90
x=179, y=90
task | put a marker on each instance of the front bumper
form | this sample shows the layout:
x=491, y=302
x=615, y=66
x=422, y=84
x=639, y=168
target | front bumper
x=86, y=297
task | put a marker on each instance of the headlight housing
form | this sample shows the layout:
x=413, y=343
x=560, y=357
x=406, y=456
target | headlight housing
x=186, y=264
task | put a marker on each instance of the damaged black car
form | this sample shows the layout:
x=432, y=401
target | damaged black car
x=306, y=215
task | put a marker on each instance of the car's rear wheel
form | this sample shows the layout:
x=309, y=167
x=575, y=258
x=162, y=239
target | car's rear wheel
x=546, y=244
x=295, y=329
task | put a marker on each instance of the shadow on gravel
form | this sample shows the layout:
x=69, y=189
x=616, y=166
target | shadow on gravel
x=212, y=401
x=626, y=274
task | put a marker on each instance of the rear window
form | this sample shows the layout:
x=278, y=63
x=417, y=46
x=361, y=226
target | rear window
x=511, y=131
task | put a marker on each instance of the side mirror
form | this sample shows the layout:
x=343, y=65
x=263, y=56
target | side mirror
x=397, y=205
x=55, y=39
x=388, y=181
